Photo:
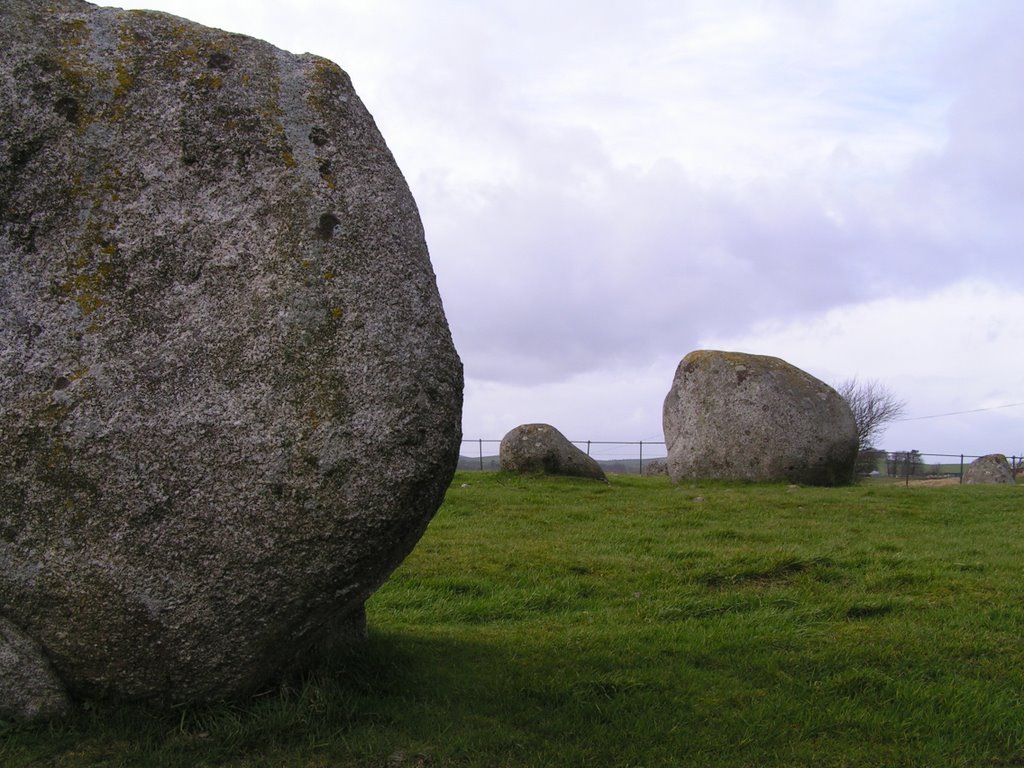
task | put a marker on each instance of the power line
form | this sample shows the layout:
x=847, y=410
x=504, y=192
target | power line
x=961, y=413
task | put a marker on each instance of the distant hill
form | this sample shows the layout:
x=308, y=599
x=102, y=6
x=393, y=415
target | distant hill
x=488, y=463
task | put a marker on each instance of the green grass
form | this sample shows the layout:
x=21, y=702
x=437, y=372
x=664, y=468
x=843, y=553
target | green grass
x=561, y=622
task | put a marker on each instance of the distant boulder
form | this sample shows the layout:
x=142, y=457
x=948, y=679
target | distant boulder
x=737, y=416
x=542, y=448
x=655, y=467
x=988, y=470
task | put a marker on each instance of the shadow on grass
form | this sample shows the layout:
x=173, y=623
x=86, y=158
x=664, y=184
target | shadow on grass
x=395, y=700
x=433, y=697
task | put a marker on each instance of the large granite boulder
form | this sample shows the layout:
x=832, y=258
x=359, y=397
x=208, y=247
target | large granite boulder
x=736, y=416
x=229, y=400
x=990, y=469
x=531, y=448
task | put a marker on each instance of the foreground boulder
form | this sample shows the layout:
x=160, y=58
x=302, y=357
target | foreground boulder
x=991, y=469
x=736, y=416
x=229, y=400
x=542, y=448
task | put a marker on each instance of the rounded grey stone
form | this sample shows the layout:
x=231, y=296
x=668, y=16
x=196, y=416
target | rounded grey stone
x=737, y=416
x=655, y=467
x=29, y=688
x=229, y=399
x=991, y=469
x=542, y=448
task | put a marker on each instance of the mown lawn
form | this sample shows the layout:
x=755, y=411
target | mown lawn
x=560, y=622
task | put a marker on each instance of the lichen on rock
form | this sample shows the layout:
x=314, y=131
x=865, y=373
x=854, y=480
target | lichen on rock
x=993, y=469
x=738, y=416
x=540, y=448
x=229, y=399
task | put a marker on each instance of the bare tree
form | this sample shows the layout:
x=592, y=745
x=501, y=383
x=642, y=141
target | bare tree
x=873, y=406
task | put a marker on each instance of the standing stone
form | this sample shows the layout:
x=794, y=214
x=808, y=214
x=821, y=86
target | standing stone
x=542, y=448
x=736, y=416
x=987, y=470
x=229, y=399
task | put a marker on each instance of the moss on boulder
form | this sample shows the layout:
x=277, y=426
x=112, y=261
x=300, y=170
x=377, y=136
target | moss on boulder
x=737, y=416
x=230, y=399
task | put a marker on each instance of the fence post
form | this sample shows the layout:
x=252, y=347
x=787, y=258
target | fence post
x=588, y=447
x=961, y=469
x=641, y=457
x=481, y=441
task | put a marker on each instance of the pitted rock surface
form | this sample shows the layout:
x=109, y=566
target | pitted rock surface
x=541, y=448
x=988, y=470
x=737, y=416
x=229, y=400
x=29, y=688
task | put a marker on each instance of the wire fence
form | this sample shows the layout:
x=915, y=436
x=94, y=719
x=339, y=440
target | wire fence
x=632, y=456
x=916, y=465
x=618, y=456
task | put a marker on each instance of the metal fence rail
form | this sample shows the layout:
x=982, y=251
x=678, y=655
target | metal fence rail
x=908, y=464
x=894, y=463
x=602, y=450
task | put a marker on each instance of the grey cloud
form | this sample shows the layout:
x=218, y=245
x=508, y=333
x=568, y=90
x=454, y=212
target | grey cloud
x=542, y=283
x=577, y=262
x=518, y=125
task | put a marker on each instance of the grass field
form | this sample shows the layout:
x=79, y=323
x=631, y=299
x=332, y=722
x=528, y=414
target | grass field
x=560, y=622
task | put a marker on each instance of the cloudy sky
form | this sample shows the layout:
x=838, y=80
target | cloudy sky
x=608, y=185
